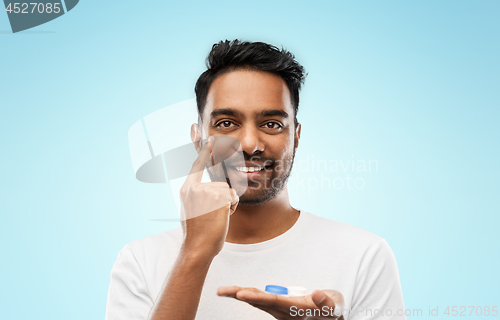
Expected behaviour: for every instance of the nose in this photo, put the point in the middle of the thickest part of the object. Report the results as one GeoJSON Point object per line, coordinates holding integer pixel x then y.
{"type": "Point", "coordinates": [251, 142]}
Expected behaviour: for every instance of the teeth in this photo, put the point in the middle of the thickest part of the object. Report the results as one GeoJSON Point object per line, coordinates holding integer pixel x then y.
{"type": "Point", "coordinates": [249, 169]}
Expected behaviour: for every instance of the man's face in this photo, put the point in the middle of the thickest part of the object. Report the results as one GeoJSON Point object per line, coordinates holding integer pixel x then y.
{"type": "Point", "coordinates": [255, 108]}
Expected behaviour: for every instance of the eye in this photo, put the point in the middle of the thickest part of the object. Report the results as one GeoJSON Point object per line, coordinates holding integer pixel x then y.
{"type": "Point", "coordinates": [272, 125]}
{"type": "Point", "coordinates": [224, 124]}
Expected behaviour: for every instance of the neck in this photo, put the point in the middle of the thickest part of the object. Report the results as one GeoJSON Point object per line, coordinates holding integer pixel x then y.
{"type": "Point", "coordinates": [253, 224]}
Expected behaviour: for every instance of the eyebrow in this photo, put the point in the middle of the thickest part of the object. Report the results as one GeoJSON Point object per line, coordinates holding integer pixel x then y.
{"type": "Point", "coordinates": [225, 112]}
{"type": "Point", "coordinates": [236, 113]}
{"type": "Point", "coordinates": [273, 113]}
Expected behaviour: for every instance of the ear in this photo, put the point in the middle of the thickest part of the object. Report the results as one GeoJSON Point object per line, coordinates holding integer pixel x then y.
{"type": "Point", "coordinates": [196, 136]}
{"type": "Point", "coordinates": [297, 135]}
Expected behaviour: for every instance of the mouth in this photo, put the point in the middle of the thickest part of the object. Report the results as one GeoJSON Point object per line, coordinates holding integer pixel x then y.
{"type": "Point", "coordinates": [253, 170]}
{"type": "Point", "coordinates": [249, 169]}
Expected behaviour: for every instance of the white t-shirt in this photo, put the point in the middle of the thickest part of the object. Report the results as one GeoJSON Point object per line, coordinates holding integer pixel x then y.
{"type": "Point", "coordinates": [316, 253]}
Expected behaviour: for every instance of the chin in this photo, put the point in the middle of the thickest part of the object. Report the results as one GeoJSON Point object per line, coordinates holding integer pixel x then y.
{"type": "Point", "coordinates": [258, 198]}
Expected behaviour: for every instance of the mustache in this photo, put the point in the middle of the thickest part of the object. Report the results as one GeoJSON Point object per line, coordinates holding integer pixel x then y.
{"type": "Point", "coordinates": [257, 159]}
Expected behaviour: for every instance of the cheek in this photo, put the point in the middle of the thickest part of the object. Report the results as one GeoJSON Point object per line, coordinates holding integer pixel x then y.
{"type": "Point", "coordinates": [281, 148]}
{"type": "Point", "coordinates": [208, 131]}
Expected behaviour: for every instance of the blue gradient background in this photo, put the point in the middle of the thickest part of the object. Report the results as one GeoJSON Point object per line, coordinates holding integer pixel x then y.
{"type": "Point", "coordinates": [411, 84]}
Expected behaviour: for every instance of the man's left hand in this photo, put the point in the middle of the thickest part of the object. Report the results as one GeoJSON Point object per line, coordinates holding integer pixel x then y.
{"type": "Point", "coordinates": [325, 302]}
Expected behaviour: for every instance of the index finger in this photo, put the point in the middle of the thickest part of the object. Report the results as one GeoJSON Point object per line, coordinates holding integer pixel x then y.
{"type": "Point", "coordinates": [199, 164]}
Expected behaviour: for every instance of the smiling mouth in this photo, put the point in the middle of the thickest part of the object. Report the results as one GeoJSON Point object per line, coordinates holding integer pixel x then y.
{"type": "Point", "coordinates": [251, 169]}
{"type": "Point", "coordinates": [254, 167]}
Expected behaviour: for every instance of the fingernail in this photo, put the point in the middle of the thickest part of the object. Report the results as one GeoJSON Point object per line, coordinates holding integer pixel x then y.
{"type": "Point", "coordinates": [210, 142]}
{"type": "Point", "coordinates": [318, 297]}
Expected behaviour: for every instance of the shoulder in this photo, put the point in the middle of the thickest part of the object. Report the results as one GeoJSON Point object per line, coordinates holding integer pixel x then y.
{"type": "Point", "coordinates": [165, 243]}
{"type": "Point", "coordinates": [343, 235]}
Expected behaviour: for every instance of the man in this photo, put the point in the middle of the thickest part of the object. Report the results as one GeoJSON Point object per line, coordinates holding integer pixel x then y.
{"type": "Point", "coordinates": [216, 265]}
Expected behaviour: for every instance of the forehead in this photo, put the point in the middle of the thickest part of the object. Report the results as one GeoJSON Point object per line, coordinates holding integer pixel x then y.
{"type": "Point", "coordinates": [249, 92]}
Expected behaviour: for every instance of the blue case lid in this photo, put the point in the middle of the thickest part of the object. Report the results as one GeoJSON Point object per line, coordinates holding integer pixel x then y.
{"type": "Point", "coordinates": [276, 289]}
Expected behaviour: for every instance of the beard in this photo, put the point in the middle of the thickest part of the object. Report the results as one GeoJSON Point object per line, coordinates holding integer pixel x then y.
{"type": "Point", "coordinates": [262, 191]}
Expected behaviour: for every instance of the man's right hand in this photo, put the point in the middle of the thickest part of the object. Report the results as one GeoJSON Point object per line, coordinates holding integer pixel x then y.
{"type": "Point", "coordinates": [206, 208]}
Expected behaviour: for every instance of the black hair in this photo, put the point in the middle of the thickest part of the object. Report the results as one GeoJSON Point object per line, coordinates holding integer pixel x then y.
{"type": "Point", "coordinates": [227, 56]}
